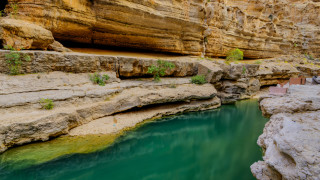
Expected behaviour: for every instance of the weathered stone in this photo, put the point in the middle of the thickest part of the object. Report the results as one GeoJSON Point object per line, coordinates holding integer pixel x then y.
{"type": "Point", "coordinates": [263, 172]}
{"type": "Point", "coordinates": [56, 46]}
{"type": "Point", "coordinates": [261, 28]}
{"type": "Point", "coordinates": [24, 35]}
{"type": "Point", "coordinates": [116, 123]}
{"type": "Point", "coordinates": [264, 28]}
{"type": "Point", "coordinates": [231, 91]}
{"type": "Point", "coordinates": [78, 101]}
{"type": "Point", "coordinates": [46, 61]}
{"type": "Point", "coordinates": [210, 70]}
{"type": "Point", "coordinates": [155, 25]}
{"type": "Point", "coordinates": [300, 98]}
{"type": "Point", "coordinates": [290, 139]}
{"type": "Point", "coordinates": [271, 73]}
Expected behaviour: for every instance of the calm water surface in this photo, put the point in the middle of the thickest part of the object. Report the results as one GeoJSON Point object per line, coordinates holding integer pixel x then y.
{"type": "Point", "coordinates": [217, 144]}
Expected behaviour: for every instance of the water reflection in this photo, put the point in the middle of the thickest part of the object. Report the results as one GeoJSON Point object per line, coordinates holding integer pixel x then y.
{"type": "Point", "coordinates": [218, 144]}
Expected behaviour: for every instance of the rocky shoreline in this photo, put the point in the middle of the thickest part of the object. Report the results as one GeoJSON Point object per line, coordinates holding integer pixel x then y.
{"type": "Point", "coordinates": [290, 139]}
{"type": "Point", "coordinates": [130, 97]}
{"type": "Point", "coordinates": [79, 102]}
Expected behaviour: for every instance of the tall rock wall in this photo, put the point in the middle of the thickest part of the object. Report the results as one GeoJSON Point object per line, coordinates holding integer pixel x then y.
{"type": "Point", "coordinates": [261, 28]}
{"type": "Point", "coordinates": [264, 28]}
{"type": "Point", "coordinates": [160, 25]}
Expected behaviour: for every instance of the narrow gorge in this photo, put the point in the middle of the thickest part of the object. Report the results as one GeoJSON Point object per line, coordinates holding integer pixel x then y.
{"type": "Point", "coordinates": [171, 87]}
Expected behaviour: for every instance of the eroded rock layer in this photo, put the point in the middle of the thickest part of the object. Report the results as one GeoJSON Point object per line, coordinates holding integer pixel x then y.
{"type": "Point", "coordinates": [264, 28]}
{"type": "Point", "coordinates": [169, 26]}
{"type": "Point", "coordinates": [260, 28]}
{"type": "Point", "coordinates": [78, 101]}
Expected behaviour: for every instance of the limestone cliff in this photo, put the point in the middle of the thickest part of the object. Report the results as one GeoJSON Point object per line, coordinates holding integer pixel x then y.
{"type": "Point", "coordinates": [263, 29]}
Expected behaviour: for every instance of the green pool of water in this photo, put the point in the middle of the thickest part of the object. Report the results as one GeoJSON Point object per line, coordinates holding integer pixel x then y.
{"type": "Point", "coordinates": [216, 144]}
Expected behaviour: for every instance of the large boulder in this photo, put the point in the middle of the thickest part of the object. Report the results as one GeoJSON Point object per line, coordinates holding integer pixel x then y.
{"type": "Point", "coordinates": [24, 35]}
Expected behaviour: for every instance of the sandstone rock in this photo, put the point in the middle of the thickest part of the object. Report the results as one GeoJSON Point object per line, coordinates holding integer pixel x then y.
{"type": "Point", "coordinates": [264, 28]}
{"type": "Point", "coordinates": [261, 28]}
{"type": "Point", "coordinates": [135, 67]}
{"type": "Point", "coordinates": [154, 25]}
{"type": "Point", "coordinates": [45, 61]}
{"type": "Point", "coordinates": [271, 73]}
{"type": "Point", "coordinates": [210, 70]}
{"type": "Point", "coordinates": [244, 88]}
{"type": "Point", "coordinates": [237, 71]}
{"type": "Point", "coordinates": [56, 46]}
{"type": "Point", "coordinates": [23, 35]}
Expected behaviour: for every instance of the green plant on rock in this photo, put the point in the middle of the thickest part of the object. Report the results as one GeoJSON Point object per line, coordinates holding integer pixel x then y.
{"type": "Point", "coordinates": [46, 104]}
{"type": "Point", "coordinates": [198, 79]}
{"type": "Point", "coordinates": [15, 59]}
{"type": "Point", "coordinates": [235, 55]}
{"type": "Point", "coordinates": [258, 62]}
{"type": "Point", "coordinates": [99, 79]}
{"type": "Point", "coordinates": [160, 69]}
{"type": "Point", "coordinates": [244, 70]}
{"type": "Point", "coordinates": [14, 9]}
{"type": "Point", "coordinates": [309, 56]}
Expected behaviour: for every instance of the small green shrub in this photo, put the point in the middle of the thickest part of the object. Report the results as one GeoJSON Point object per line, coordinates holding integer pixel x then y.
{"type": "Point", "coordinates": [244, 70]}
{"type": "Point", "coordinates": [258, 62]}
{"type": "Point", "coordinates": [160, 69]}
{"type": "Point", "coordinates": [198, 79]}
{"type": "Point", "coordinates": [235, 55]}
{"type": "Point", "coordinates": [46, 104]}
{"type": "Point", "coordinates": [15, 59]}
{"type": "Point", "coordinates": [99, 79]}
{"type": "Point", "coordinates": [15, 9]}
{"type": "Point", "coordinates": [173, 85]}
{"type": "Point", "coordinates": [309, 56]}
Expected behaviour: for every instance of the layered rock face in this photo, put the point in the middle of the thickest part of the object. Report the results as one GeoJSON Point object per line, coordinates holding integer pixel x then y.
{"type": "Point", "coordinates": [169, 26]}
{"type": "Point", "coordinates": [264, 28]}
{"type": "Point", "coordinates": [260, 28]}
{"type": "Point", "coordinates": [290, 139]}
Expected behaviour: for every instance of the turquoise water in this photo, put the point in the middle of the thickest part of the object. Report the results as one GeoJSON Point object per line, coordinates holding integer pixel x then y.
{"type": "Point", "coordinates": [216, 144]}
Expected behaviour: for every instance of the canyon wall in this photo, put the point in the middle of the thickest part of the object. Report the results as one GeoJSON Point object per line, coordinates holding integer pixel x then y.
{"type": "Point", "coordinates": [261, 29]}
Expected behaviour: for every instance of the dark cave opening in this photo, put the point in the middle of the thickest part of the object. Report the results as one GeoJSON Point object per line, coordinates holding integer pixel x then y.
{"type": "Point", "coordinates": [3, 4]}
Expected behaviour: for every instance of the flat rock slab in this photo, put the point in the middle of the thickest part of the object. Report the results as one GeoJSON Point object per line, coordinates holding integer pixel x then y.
{"type": "Point", "coordinates": [79, 102]}
{"type": "Point", "coordinates": [116, 123]}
